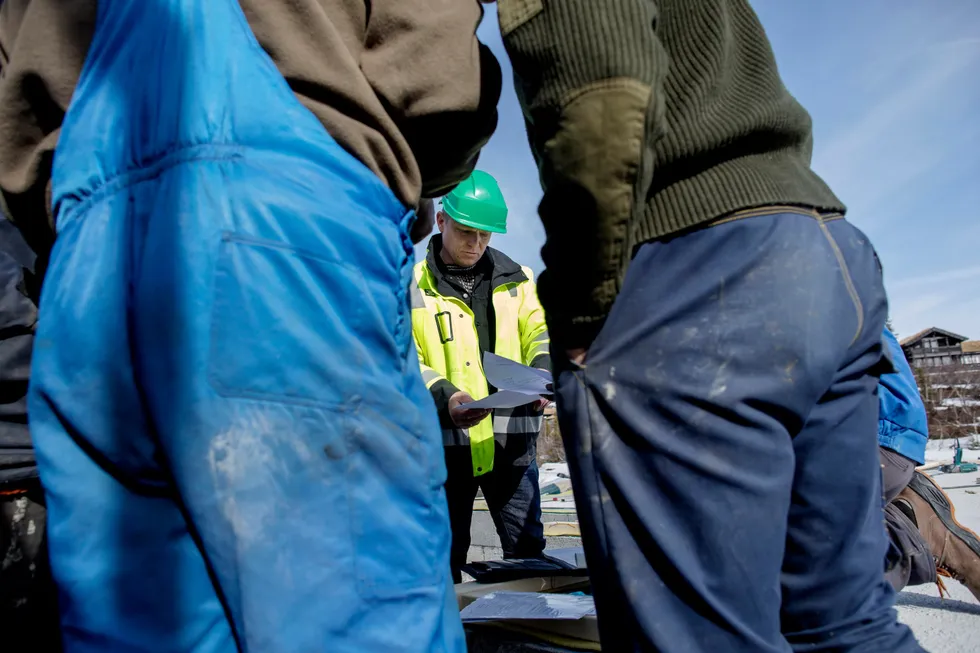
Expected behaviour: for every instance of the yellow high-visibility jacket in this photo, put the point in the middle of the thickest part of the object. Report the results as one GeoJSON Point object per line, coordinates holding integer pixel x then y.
{"type": "Point", "coordinates": [449, 349]}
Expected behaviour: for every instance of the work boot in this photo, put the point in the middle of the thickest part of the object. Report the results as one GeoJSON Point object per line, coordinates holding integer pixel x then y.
{"type": "Point", "coordinates": [955, 548]}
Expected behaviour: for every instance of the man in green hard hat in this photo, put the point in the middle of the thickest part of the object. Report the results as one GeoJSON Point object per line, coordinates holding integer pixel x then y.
{"type": "Point", "coordinates": [469, 298]}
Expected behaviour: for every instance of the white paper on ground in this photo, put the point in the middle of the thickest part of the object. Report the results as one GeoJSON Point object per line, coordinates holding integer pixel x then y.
{"type": "Point", "coordinates": [505, 374]}
{"type": "Point", "coordinates": [501, 606]}
{"type": "Point", "coordinates": [503, 399]}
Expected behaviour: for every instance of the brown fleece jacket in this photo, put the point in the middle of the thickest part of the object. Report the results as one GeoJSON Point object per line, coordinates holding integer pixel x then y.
{"type": "Point", "coordinates": [404, 85]}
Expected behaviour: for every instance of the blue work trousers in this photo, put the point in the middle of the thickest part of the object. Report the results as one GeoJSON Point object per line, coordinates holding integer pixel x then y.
{"type": "Point", "coordinates": [722, 444]}
{"type": "Point", "coordinates": [238, 450]}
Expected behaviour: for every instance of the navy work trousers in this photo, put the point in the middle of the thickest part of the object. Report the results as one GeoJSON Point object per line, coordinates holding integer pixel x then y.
{"type": "Point", "coordinates": [721, 439]}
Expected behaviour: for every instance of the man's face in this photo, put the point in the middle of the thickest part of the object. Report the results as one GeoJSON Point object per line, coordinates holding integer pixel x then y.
{"type": "Point", "coordinates": [461, 245]}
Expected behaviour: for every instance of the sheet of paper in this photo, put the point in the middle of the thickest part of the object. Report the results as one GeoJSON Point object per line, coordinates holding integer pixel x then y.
{"type": "Point", "coordinates": [502, 606]}
{"type": "Point", "coordinates": [504, 399]}
{"type": "Point", "coordinates": [544, 375]}
{"type": "Point", "coordinates": [573, 555]}
{"type": "Point", "coordinates": [505, 374]}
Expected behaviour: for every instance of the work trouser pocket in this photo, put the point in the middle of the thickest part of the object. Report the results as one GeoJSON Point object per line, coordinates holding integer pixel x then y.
{"type": "Point", "coordinates": [287, 325]}
{"type": "Point", "coordinates": [397, 522]}
{"type": "Point", "coordinates": [300, 339]}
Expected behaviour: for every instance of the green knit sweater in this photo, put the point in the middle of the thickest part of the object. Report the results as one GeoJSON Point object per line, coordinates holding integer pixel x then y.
{"type": "Point", "coordinates": [646, 118]}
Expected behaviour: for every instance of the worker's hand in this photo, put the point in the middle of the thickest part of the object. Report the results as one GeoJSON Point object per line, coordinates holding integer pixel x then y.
{"type": "Point", "coordinates": [577, 355]}
{"type": "Point", "coordinates": [426, 219]}
{"type": "Point", "coordinates": [462, 416]}
{"type": "Point", "coordinates": [539, 405]}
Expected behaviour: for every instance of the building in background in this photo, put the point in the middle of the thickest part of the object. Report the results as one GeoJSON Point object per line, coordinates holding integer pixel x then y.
{"type": "Point", "coordinates": [971, 352]}
{"type": "Point", "coordinates": [947, 368]}
{"type": "Point", "coordinates": [935, 347]}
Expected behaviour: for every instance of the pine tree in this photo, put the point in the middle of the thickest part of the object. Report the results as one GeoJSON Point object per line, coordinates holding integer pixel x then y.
{"type": "Point", "coordinates": [890, 326]}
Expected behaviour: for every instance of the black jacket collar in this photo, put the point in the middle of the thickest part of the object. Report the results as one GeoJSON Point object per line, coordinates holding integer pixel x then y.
{"type": "Point", "coordinates": [505, 270]}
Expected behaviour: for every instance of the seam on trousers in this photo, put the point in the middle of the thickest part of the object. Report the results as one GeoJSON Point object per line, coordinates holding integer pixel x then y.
{"type": "Point", "coordinates": [764, 211]}
{"type": "Point", "coordinates": [600, 508]}
{"type": "Point", "coordinates": [153, 167]}
{"type": "Point", "coordinates": [822, 220]}
{"type": "Point", "coordinates": [848, 282]}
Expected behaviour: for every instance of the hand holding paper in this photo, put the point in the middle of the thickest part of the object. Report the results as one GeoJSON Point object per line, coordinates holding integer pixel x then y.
{"type": "Point", "coordinates": [505, 374]}
{"type": "Point", "coordinates": [504, 399]}
{"type": "Point", "coordinates": [463, 411]}
{"type": "Point", "coordinates": [517, 385]}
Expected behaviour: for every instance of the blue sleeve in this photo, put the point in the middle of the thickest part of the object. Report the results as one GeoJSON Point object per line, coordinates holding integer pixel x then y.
{"type": "Point", "coordinates": [902, 422]}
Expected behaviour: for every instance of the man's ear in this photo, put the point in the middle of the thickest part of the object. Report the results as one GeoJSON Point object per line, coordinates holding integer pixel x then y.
{"type": "Point", "coordinates": [441, 218]}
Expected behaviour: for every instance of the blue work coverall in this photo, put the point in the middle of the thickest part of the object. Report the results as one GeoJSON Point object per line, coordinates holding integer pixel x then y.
{"type": "Point", "coordinates": [236, 444]}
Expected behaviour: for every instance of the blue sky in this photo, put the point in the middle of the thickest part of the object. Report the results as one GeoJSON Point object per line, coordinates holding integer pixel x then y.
{"type": "Point", "coordinates": [894, 90]}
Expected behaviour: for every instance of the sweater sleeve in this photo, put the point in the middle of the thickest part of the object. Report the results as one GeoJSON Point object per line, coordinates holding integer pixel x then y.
{"type": "Point", "coordinates": [437, 81]}
{"type": "Point", "coordinates": [43, 46]}
{"type": "Point", "coordinates": [588, 76]}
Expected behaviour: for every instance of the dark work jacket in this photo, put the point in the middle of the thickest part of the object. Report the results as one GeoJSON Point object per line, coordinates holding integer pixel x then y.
{"type": "Point", "coordinates": [18, 315]}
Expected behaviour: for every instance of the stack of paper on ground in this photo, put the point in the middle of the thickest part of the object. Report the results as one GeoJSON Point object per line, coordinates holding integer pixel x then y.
{"type": "Point", "coordinates": [517, 385]}
{"type": "Point", "coordinates": [538, 607]}
{"type": "Point", "coordinates": [503, 606]}
{"type": "Point", "coordinates": [559, 618]}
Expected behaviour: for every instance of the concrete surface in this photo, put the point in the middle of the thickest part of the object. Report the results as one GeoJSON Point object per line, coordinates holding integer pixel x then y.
{"type": "Point", "coordinates": [950, 625]}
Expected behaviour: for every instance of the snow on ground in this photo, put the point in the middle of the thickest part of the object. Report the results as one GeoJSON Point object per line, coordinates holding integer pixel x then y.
{"type": "Point", "coordinates": [551, 472]}
{"type": "Point", "coordinates": [943, 450]}
{"type": "Point", "coordinates": [950, 625]}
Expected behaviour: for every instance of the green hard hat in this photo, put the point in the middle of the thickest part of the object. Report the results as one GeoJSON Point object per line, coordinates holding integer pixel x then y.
{"type": "Point", "coordinates": [478, 203]}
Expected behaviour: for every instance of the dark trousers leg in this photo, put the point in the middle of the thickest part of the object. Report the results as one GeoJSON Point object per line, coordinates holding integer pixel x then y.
{"type": "Point", "coordinates": [908, 561]}
{"type": "Point", "coordinates": [721, 510]}
{"type": "Point", "coordinates": [18, 314]}
{"type": "Point", "coordinates": [514, 497]}
{"type": "Point", "coordinates": [29, 618]}
{"type": "Point", "coordinates": [896, 472]}
{"type": "Point", "coordinates": [28, 596]}
{"type": "Point", "coordinates": [461, 488]}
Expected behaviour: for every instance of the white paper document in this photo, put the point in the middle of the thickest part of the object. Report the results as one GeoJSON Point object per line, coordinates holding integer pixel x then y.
{"type": "Point", "coordinates": [503, 399]}
{"type": "Point", "coordinates": [502, 606]}
{"type": "Point", "coordinates": [517, 385]}
{"type": "Point", "coordinates": [505, 374]}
